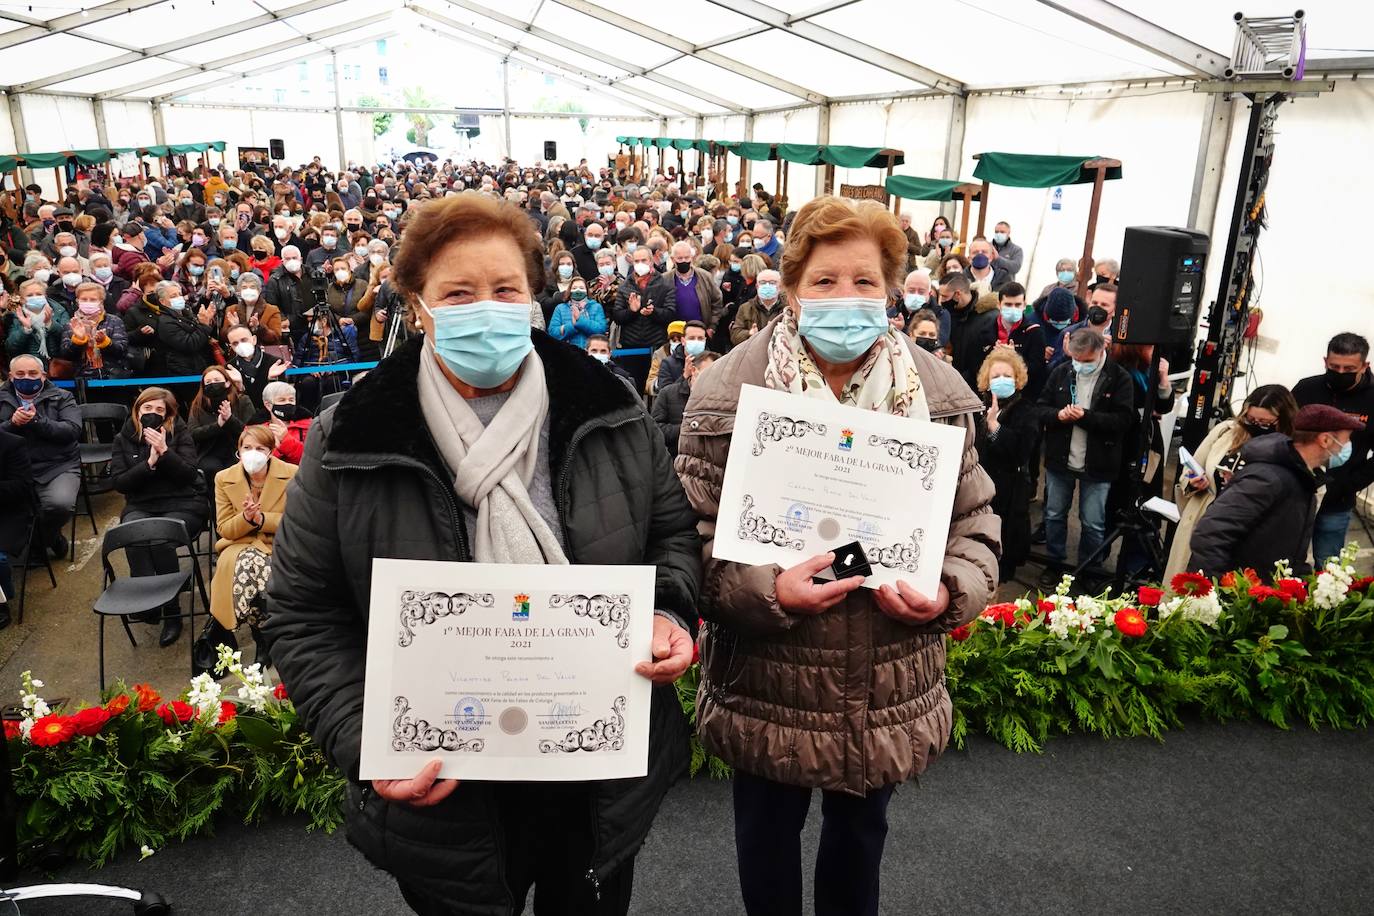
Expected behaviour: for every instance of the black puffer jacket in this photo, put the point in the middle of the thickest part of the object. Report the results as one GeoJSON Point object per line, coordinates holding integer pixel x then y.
{"type": "Point", "coordinates": [1264, 515]}
{"type": "Point", "coordinates": [372, 485]}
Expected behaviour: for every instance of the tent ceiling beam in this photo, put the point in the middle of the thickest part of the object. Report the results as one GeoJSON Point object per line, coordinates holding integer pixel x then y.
{"type": "Point", "coordinates": [234, 78]}
{"type": "Point", "coordinates": [245, 56]}
{"type": "Point", "coordinates": [481, 112]}
{"type": "Point", "coordinates": [628, 23]}
{"type": "Point", "coordinates": [512, 48]}
{"type": "Point", "coordinates": [1144, 34]}
{"type": "Point", "coordinates": [843, 44]}
{"type": "Point", "coordinates": [73, 20]}
{"type": "Point", "coordinates": [136, 54]}
{"type": "Point", "coordinates": [578, 80]}
{"type": "Point", "coordinates": [593, 53]}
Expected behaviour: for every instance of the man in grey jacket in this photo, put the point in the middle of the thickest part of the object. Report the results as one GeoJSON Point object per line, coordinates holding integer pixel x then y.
{"type": "Point", "coordinates": [1009, 254]}
{"type": "Point", "coordinates": [48, 419]}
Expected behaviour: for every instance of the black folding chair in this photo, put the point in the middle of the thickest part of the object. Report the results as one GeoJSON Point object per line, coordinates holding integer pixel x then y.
{"type": "Point", "coordinates": [130, 595]}
{"type": "Point", "coordinates": [34, 555]}
{"type": "Point", "coordinates": [329, 400]}
{"type": "Point", "coordinates": [95, 455]}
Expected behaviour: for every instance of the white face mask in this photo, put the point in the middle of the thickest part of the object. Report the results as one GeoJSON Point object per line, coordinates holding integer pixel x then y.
{"type": "Point", "coordinates": [67, 251]}
{"type": "Point", "coordinates": [249, 295]}
{"type": "Point", "coordinates": [641, 268]}
{"type": "Point", "coordinates": [71, 280]}
{"type": "Point", "coordinates": [341, 276]}
{"type": "Point", "coordinates": [254, 461]}
{"type": "Point", "coordinates": [282, 234]}
{"type": "Point", "coordinates": [377, 259]}
{"type": "Point", "coordinates": [244, 349]}
{"type": "Point", "coordinates": [293, 265]}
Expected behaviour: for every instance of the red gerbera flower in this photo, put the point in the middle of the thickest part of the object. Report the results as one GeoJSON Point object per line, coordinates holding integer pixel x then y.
{"type": "Point", "coordinates": [959, 633]}
{"type": "Point", "coordinates": [117, 705]}
{"type": "Point", "coordinates": [1004, 613]}
{"type": "Point", "coordinates": [1293, 589]}
{"type": "Point", "coordinates": [12, 730]}
{"type": "Point", "coordinates": [147, 697]}
{"type": "Point", "coordinates": [1360, 585]}
{"type": "Point", "coordinates": [1229, 580]}
{"type": "Point", "coordinates": [1148, 596]}
{"type": "Point", "coordinates": [279, 691]}
{"type": "Point", "coordinates": [1264, 593]}
{"type": "Point", "coordinates": [176, 712]}
{"type": "Point", "coordinates": [1190, 583]}
{"type": "Point", "coordinates": [227, 711]}
{"type": "Point", "coordinates": [1129, 622]}
{"type": "Point", "coordinates": [52, 730]}
{"type": "Point", "coordinates": [90, 721]}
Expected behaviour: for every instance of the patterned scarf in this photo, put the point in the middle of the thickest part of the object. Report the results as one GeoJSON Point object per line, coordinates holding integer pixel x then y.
{"type": "Point", "coordinates": [886, 381]}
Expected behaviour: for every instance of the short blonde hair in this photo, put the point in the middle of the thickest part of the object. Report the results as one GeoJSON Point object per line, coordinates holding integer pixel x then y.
{"type": "Point", "coordinates": [751, 265]}
{"type": "Point", "coordinates": [1007, 356]}
{"type": "Point", "coordinates": [836, 219]}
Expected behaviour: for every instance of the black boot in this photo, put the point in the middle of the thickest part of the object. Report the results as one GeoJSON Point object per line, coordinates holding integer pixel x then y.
{"type": "Point", "coordinates": [4, 614]}
{"type": "Point", "coordinates": [262, 650]}
{"type": "Point", "coordinates": [171, 626]}
{"type": "Point", "coordinates": [60, 546]}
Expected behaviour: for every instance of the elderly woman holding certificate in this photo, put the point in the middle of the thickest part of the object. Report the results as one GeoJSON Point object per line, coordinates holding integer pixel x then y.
{"type": "Point", "coordinates": [482, 441]}
{"type": "Point", "coordinates": [830, 686]}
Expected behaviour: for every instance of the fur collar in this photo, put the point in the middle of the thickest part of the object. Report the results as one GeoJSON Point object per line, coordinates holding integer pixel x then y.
{"type": "Point", "coordinates": [381, 414]}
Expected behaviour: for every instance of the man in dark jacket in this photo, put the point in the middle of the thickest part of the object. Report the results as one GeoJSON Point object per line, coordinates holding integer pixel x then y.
{"type": "Point", "coordinates": [372, 484]}
{"type": "Point", "coordinates": [289, 291]}
{"type": "Point", "coordinates": [48, 419]}
{"type": "Point", "coordinates": [584, 252]}
{"type": "Point", "coordinates": [16, 511]}
{"type": "Point", "coordinates": [1346, 385]}
{"type": "Point", "coordinates": [671, 400]}
{"type": "Point", "coordinates": [972, 328]}
{"type": "Point", "coordinates": [1265, 514]}
{"type": "Point", "coordinates": [1019, 329]}
{"type": "Point", "coordinates": [644, 307]}
{"type": "Point", "coordinates": [1087, 408]}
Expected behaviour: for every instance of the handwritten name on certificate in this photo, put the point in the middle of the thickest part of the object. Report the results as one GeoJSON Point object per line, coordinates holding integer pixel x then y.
{"type": "Point", "coordinates": [507, 672]}
{"type": "Point", "coordinates": [806, 476]}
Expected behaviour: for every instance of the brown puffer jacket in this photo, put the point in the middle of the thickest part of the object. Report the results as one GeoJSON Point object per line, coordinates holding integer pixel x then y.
{"type": "Point", "coordinates": [849, 699]}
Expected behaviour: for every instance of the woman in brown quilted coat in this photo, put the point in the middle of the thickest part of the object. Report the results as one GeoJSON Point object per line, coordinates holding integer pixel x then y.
{"type": "Point", "coordinates": [829, 686]}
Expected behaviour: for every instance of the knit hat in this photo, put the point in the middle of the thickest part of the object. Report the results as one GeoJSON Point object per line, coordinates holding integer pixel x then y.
{"type": "Point", "coordinates": [1323, 418]}
{"type": "Point", "coordinates": [677, 327]}
{"type": "Point", "coordinates": [1059, 306]}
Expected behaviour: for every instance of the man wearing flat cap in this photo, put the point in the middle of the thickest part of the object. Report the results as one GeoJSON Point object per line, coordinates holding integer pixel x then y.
{"type": "Point", "coordinates": [1265, 514]}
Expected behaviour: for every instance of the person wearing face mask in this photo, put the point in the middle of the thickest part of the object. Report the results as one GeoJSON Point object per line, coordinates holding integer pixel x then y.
{"type": "Point", "coordinates": [218, 414]}
{"type": "Point", "coordinates": [671, 400]}
{"type": "Point", "coordinates": [287, 289]}
{"type": "Point", "coordinates": [578, 316]}
{"type": "Point", "coordinates": [1266, 512]}
{"type": "Point", "coordinates": [1065, 277]}
{"type": "Point", "coordinates": [924, 329]}
{"type": "Point", "coordinates": [972, 326]}
{"type": "Point", "coordinates": [561, 277]}
{"type": "Point", "coordinates": [673, 365]}
{"type": "Point", "coordinates": [344, 292]}
{"type": "Point", "coordinates": [102, 272]}
{"type": "Point", "coordinates": [249, 366]}
{"type": "Point", "coordinates": [1007, 438]}
{"type": "Point", "coordinates": [250, 498]}
{"type": "Point", "coordinates": [178, 336]}
{"type": "Point", "coordinates": [599, 349]}
{"type": "Point", "coordinates": [695, 294]}
{"type": "Point", "coordinates": [1105, 270]}
{"type": "Point", "coordinates": [64, 223]}
{"type": "Point", "coordinates": [284, 235]}
{"type": "Point", "coordinates": [985, 274]}
{"type": "Point", "coordinates": [264, 260]}
{"type": "Point", "coordinates": [1087, 408]}
{"type": "Point", "coordinates": [290, 424]}
{"type": "Point", "coordinates": [154, 466]}
{"type": "Point", "coordinates": [1018, 329]}
{"type": "Point", "coordinates": [190, 273]}
{"type": "Point", "coordinates": [644, 308]}
{"type": "Point", "coordinates": [331, 247]}
{"type": "Point", "coordinates": [916, 296]}
{"type": "Point", "coordinates": [187, 209]}
{"type": "Point", "coordinates": [128, 250]}
{"type": "Point", "coordinates": [1010, 257]}
{"type": "Point", "coordinates": [38, 323]}
{"type": "Point", "coordinates": [769, 626]}
{"type": "Point", "coordinates": [1098, 317]}
{"type": "Point", "coordinates": [94, 343]}
{"type": "Point", "coordinates": [62, 285]}
{"type": "Point", "coordinates": [946, 243]}
{"type": "Point", "coordinates": [1345, 385]}
{"type": "Point", "coordinates": [757, 313]}
{"type": "Point", "coordinates": [1267, 409]}
{"type": "Point", "coordinates": [1057, 312]}
{"type": "Point", "coordinates": [585, 251]}
{"type": "Point", "coordinates": [481, 441]}
{"type": "Point", "coordinates": [48, 420]}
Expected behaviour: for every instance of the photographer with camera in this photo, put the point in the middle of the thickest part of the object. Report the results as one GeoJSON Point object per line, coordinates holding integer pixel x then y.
{"type": "Point", "coordinates": [287, 289]}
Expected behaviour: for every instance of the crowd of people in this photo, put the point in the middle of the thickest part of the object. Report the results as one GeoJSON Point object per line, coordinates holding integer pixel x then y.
{"type": "Point", "coordinates": [211, 285]}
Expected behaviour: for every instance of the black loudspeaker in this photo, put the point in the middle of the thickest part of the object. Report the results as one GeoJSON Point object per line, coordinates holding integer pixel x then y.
{"type": "Point", "coordinates": [1159, 293]}
{"type": "Point", "coordinates": [550, 150]}
{"type": "Point", "coordinates": [277, 149]}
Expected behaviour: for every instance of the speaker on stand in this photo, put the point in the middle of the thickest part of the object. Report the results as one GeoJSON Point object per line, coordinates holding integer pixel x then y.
{"type": "Point", "coordinates": [550, 150]}
{"type": "Point", "coordinates": [277, 149]}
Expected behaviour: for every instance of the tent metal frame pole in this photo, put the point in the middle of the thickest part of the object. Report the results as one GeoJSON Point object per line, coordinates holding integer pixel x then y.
{"type": "Point", "coordinates": [824, 176]}
{"type": "Point", "coordinates": [505, 104]}
{"type": "Point", "coordinates": [1213, 141]}
{"type": "Point", "coordinates": [338, 108]}
{"type": "Point", "coordinates": [21, 133]}
{"type": "Point", "coordinates": [954, 148]}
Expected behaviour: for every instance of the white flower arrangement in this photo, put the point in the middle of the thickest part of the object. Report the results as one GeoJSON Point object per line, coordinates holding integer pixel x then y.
{"type": "Point", "coordinates": [205, 695]}
{"type": "Point", "coordinates": [255, 691]}
{"type": "Point", "coordinates": [35, 707]}
{"type": "Point", "coordinates": [1205, 609]}
{"type": "Point", "coordinates": [1333, 582]}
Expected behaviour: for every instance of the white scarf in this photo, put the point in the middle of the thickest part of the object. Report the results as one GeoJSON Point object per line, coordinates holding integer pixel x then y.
{"type": "Point", "coordinates": [493, 465]}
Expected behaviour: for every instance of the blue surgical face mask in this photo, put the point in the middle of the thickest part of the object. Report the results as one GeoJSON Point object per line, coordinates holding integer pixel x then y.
{"type": "Point", "coordinates": [841, 330]}
{"type": "Point", "coordinates": [593, 242]}
{"type": "Point", "coordinates": [565, 271]}
{"type": "Point", "coordinates": [1340, 457]}
{"type": "Point", "coordinates": [177, 304]}
{"type": "Point", "coordinates": [36, 304]}
{"type": "Point", "coordinates": [229, 244]}
{"type": "Point", "coordinates": [605, 269]}
{"type": "Point", "coordinates": [694, 347]}
{"type": "Point", "coordinates": [768, 291]}
{"type": "Point", "coordinates": [27, 387]}
{"type": "Point", "coordinates": [1000, 238]}
{"type": "Point", "coordinates": [1083, 368]}
{"type": "Point", "coordinates": [482, 343]}
{"type": "Point", "coordinates": [1003, 386]}
{"type": "Point", "coordinates": [732, 220]}
{"type": "Point", "coordinates": [1011, 315]}
{"type": "Point", "coordinates": [1065, 276]}
{"type": "Point", "coordinates": [1059, 325]}
{"type": "Point", "coordinates": [914, 300]}
{"type": "Point", "coordinates": [103, 274]}
{"type": "Point", "coordinates": [196, 270]}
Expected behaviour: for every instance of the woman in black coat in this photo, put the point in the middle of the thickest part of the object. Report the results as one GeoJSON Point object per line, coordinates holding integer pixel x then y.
{"type": "Point", "coordinates": [154, 466]}
{"type": "Point", "coordinates": [1006, 443]}
{"type": "Point", "coordinates": [379, 479]}
{"type": "Point", "coordinates": [218, 414]}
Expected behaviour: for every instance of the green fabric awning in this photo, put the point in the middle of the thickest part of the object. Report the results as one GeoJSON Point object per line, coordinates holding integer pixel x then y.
{"type": "Point", "coordinates": [43, 160]}
{"type": "Point", "coordinates": [858, 157]}
{"type": "Point", "coordinates": [1023, 170]}
{"type": "Point", "coordinates": [703, 145]}
{"type": "Point", "coordinates": [748, 149]}
{"type": "Point", "coordinates": [913, 188]}
{"type": "Point", "coordinates": [100, 156]}
{"type": "Point", "coordinates": [663, 142]}
{"type": "Point", "coordinates": [800, 153]}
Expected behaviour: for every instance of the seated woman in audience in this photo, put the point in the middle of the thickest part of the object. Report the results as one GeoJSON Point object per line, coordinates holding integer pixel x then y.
{"type": "Point", "coordinates": [179, 338]}
{"type": "Point", "coordinates": [606, 284]}
{"type": "Point", "coordinates": [950, 265]}
{"type": "Point", "coordinates": [265, 259]}
{"type": "Point", "coordinates": [578, 317]}
{"type": "Point", "coordinates": [95, 342]}
{"type": "Point", "coordinates": [1267, 409]}
{"type": "Point", "coordinates": [102, 272]}
{"type": "Point", "coordinates": [154, 466]}
{"type": "Point", "coordinates": [38, 323]}
{"type": "Point", "coordinates": [559, 285]}
{"type": "Point", "coordinates": [218, 414]}
{"type": "Point", "coordinates": [1007, 436]}
{"type": "Point", "coordinates": [344, 291]}
{"type": "Point", "coordinates": [924, 328]}
{"type": "Point", "coordinates": [250, 497]}
{"type": "Point", "coordinates": [145, 279]}
{"type": "Point", "coordinates": [261, 317]}
{"type": "Point", "coordinates": [289, 423]}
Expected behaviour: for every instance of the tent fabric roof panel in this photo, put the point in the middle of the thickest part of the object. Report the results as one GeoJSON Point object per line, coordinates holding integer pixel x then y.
{"type": "Point", "coordinates": [1024, 170]}
{"type": "Point", "coordinates": [124, 75]}
{"type": "Point", "coordinates": [158, 25]}
{"type": "Point", "coordinates": [49, 56]}
{"type": "Point", "coordinates": [910, 187]}
{"type": "Point", "coordinates": [597, 34]}
{"type": "Point", "coordinates": [816, 67]}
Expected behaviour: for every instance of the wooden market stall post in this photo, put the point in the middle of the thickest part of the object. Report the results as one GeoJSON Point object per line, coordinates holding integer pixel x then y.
{"type": "Point", "coordinates": [1024, 170]}
{"type": "Point", "coordinates": [939, 189]}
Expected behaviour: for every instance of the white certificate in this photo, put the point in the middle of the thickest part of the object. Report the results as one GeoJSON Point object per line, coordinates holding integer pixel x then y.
{"type": "Point", "coordinates": [806, 476]}
{"type": "Point", "coordinates": [507, 672]}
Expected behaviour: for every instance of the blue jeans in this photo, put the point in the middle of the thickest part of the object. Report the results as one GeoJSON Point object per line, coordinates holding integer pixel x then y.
{"type": "Point", "coordinates": [1092, 515]}
{"type": "Point", "coordinates": [1328, 536]}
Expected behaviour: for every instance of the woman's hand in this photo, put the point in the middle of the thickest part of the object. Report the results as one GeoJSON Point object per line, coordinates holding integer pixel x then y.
{"type": "Point", "coordinates": [157, 444]}
{"type": "Point", "coordinates": [277, 426]}
{"type": "Point", "coordinates": [207, 315]}
{"type": "Point", "coordinates": [797, 594]}
{"type": "Point", "coordinates": [224, 412]}
{"type": "Point", "coordinates": [672, 651]}
{"type": "Point", "coordinates": [424, 790]}
{"type": "Point", "coordinates": [1198, 483]}
{"type": "Point", "coordinates": [231, 318]}
{"type": "Point", "coordinates": [906, 605]}
{"type": "Point", "coordinates": [993, 413]}
{"type": "Point", "coordinates": [25, 319]}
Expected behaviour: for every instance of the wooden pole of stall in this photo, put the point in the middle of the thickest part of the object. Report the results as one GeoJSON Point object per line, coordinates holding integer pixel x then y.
{"type": "Point", "coordinates": [57, 173]}
{"type": "Point", "coordinates": [963, 220]}
{"type": "Point", "coordinates": [1085, 265]}
{"type": "Point", "coordinates": [983, 208]}
{"type": "Point", "coordinates": [896, 205]}
{"type": "Point", "coordinates": [777, 177]}
{"type": "Point", "coordinates": [830, 178]}
{"type": "Point", "coordinates": [786, 174]}
{"type": "Point", "coordinates": [681, 173]}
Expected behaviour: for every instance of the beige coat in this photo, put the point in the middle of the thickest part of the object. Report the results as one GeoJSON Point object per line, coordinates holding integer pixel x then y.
{"type": "Point", "coordinates": [1193, 503]}
{"type": "Point", "coordinates": [849, 699]}
{"type": "Point", "coordinates": [236, 533]}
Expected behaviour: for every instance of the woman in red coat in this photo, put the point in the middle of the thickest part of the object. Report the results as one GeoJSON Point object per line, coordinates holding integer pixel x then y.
{"type": "Point", "coordinates": [289, 423]}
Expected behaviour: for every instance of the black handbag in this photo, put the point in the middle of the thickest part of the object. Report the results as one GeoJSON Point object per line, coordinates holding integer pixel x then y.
{"type": "Point", "coordinates": [205, 650]}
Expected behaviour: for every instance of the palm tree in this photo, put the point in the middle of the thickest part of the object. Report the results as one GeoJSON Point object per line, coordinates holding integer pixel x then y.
{"type": "Point", "coordinates": [416, 97]}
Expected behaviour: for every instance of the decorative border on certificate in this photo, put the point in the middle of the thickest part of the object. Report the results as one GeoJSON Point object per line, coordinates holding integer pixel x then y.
{"type": "Point", "coordinates": [412, 734]}
{"type": "Point", "coordinates": [924, 458]}
{"type": "Point", "coordinates": [602, 735]}
{"type": "Point", "coordinates": [426, 607]}
{"type": "Point", "coordinates": [607, 610]}
{"type": "Point", "coordinates": [754, 527]}
{"type": "Point", "coordinates": [775, 428]}
{"type": "Point", "coordinates": [905, 555]}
